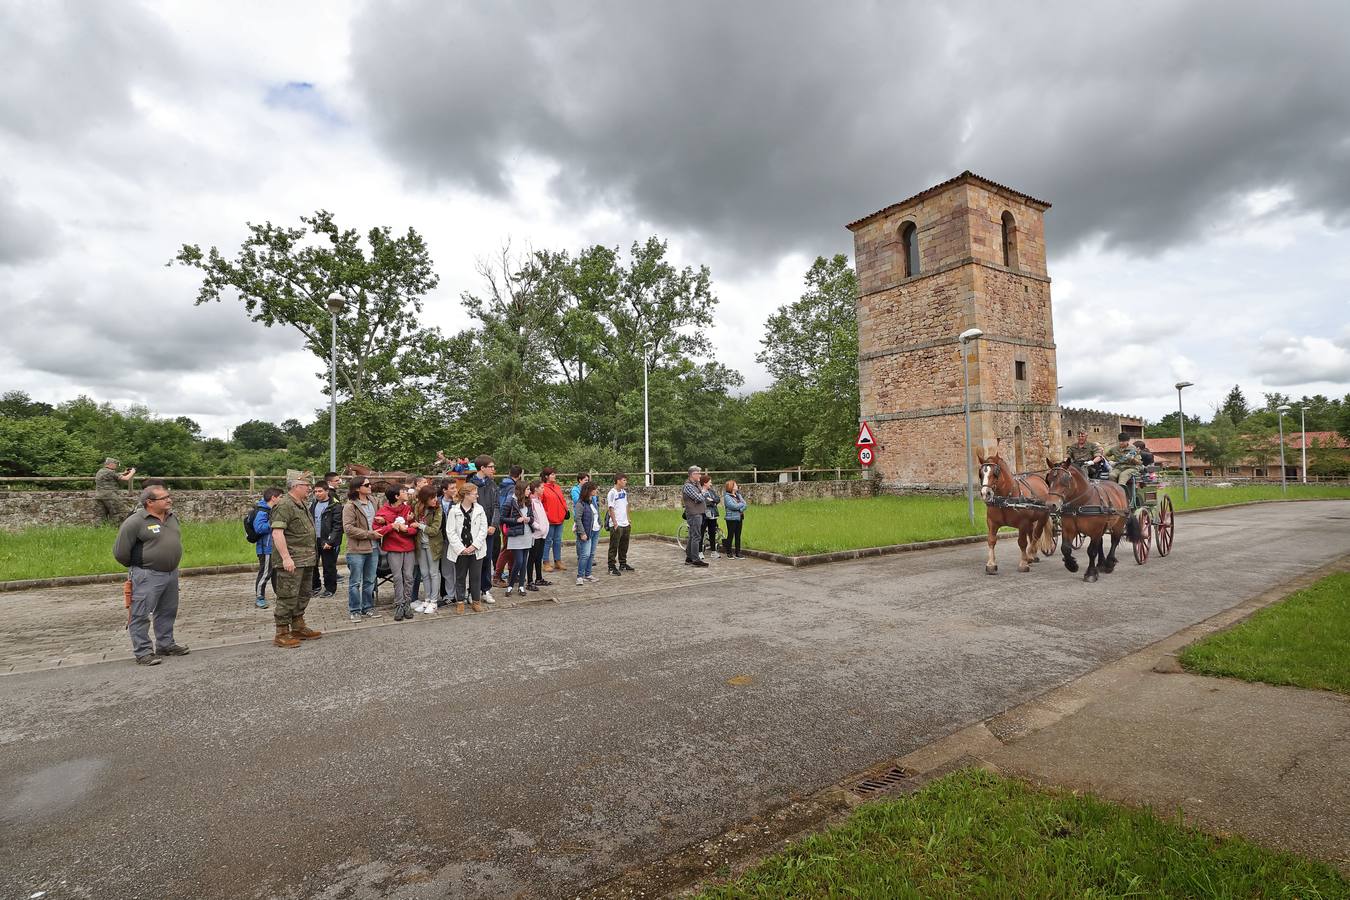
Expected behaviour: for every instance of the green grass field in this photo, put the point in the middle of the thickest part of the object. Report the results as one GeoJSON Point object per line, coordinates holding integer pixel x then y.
{"type": "Point", "coordinates": [799, 527]}
{"type": "Point", "coordinates": [1303, 640]}
{"type": "Point", "coordinates": [973, 834]}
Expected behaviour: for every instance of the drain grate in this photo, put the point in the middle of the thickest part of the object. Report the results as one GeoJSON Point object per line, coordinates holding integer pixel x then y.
{"type": "Point", "coordinates": [876, 783]}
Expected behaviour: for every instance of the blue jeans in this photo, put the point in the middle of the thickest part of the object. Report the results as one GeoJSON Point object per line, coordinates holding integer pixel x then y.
{"type": "Point", "coordinates": [554, 540]}
{"type": "Point", "coordinates": [361, 581]}
{"type": "Point", "coordinates": [585, 556]}
{"type": "Point", "coordinates": [493, 544]}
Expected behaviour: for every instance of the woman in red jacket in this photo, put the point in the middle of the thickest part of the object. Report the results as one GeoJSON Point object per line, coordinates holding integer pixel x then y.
{"type": "Point", "coordinates": [396, 526]}
{"type": "Point", "coordinates": [555, 507]}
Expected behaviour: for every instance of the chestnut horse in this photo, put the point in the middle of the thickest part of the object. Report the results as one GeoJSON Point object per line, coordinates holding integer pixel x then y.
{"type": "Point", "coordinates": [1090, 508]}
{"type": "Point", "coordinates": [999, 487]}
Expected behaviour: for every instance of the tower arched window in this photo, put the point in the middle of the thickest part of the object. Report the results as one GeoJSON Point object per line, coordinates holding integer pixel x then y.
{"type": "Point", "coordinates": [909, 241]}
{"type": "Point", "coordinates": [1009, 240]}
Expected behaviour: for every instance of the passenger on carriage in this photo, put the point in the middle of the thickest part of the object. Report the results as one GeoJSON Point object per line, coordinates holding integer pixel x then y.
{"type": "Point", "coordinates": [1125, 461]}
{"type": "Point", "coordinates": [1085, 453]}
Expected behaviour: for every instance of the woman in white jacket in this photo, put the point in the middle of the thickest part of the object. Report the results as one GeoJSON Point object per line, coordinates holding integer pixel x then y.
{"type": "Point", "coordinates": [466, 544]}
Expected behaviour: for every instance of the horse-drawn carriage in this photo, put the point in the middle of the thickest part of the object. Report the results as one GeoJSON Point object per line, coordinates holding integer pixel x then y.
{"type": "Point", "coordinates": [1065, 507]}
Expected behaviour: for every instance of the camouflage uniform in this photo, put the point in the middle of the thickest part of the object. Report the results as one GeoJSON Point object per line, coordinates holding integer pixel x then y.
{"type": "Point", "coordinates": [1084, 455]}
{"type": "Point", "coordinates": [109, 496]}
{"type": "Point", "coordinates": [295, 522]}
{"type": "Point", "coordinates": [1125, 463]}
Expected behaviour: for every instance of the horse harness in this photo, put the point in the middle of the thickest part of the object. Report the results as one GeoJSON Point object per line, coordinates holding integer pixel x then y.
{"type": "Point", "coordinates": [1023, 500]}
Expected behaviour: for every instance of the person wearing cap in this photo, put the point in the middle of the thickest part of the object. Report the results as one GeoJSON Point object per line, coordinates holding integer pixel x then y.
{"type": "Point", "coordinates": [294, 559]}
{"type": "Point", "coordinates": [1085, 452]}
{"type": "Point", "coordinates": [108, 495]}
{"type": "Point", "coordinates": [150, 545]}
{"type": "Point", "coordinates": [1125, 463]}
{"type": "Point", "coordinates": [695, 507]}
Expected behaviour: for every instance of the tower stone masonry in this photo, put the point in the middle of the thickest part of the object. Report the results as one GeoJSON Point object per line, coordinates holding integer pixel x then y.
{"type": "Point", "coordinates": [967, 253]}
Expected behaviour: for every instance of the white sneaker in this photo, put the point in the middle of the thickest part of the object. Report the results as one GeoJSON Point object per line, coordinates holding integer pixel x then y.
{"type": "Point", "coordinates": [716, 555]}
{"type": "Point", "coordinates": [590, 579]}
{"type": "Point", "coordinates": [509, 588]}
{"type": "Point", "coordinates": [580, 581]}
{"type": "Point", "coordinates": [429, 608]}
{"type": "Point", "coordinates": [487, 597]}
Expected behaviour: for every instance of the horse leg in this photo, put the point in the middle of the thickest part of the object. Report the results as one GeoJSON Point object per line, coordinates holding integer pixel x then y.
{"type": "Point", "coordinates": [990, 564]}
{"type": "Point", "coordinates": [1094, 554]}
{"type": "Point", "coordinates": [1109, 565]}
{"type": "Point", "coordinates": [1022, 564]}
{"type": "Point", "coordinates": [1066, 547]}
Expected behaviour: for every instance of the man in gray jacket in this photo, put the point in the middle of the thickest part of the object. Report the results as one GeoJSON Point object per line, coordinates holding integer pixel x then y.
{"type": "Point", "coordinates": [150, 545]}
{"type": "Point", "coordinates": [695, 507]}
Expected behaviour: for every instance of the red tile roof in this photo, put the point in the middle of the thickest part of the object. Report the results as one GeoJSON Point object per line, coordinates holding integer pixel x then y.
{"type": "Point", "coordinates": [964, 178]}
{"type": "Point", "coordinates": [1293, 441]}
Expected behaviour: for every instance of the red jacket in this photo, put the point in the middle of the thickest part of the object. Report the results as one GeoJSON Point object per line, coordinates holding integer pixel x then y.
{"type": "Point", "coordinates": [396, 541]}
{"type": "Point", "coordinates": [555, 504]}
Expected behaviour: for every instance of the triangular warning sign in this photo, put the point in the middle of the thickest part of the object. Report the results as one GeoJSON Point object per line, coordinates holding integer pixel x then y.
{"type": "Point", "coordinates": [865, 438]}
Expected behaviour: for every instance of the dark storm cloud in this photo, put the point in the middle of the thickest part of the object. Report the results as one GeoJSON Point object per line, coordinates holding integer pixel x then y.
{"type": "Point", "coordinates": [766, 127]}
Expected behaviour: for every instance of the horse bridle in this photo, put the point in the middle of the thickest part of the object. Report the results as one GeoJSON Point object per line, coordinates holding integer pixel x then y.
{"type": "Point", "coordinates": [1064, 501]}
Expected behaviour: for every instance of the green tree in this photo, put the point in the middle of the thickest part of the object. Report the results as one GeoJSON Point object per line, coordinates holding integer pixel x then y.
{"type": "Point", "coordinates": [18, 405]}
{"type": "Point", "coordinates": [1218, 444]}
{"type": "Point", "coordinates": [285, 276]}
{"type": "Point", "coordinates": [811, 349]}
{"type": "Point", "coordinates": [1170, 426]}
{"type": "Point", "coordinates": [41, 445]}
{"type": "Point", "coordinates": [256, 434]}
{"type": "Point", "coordinates": [1235, 406]}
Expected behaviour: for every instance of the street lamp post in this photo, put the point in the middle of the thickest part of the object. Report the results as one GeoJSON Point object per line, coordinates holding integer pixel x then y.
{"type": "Point", "coordinates": [1303, 439]}
{"type": "Point", "coordinates": [646, 422]}
{"type": "Point", "coordinates": [966, 337]}
{"type": "Point", "coordinates": [1181, 420]}
{"type": "Point", "coordinates": [1284, 476]}
{"type": "Point", "coordinates": [335, 304]}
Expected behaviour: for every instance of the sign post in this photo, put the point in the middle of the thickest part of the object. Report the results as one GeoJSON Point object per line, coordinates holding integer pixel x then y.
{"type": "Point", "coordinates": [866, 444]}
{"type": "Point", "coordinates": [865, 456]}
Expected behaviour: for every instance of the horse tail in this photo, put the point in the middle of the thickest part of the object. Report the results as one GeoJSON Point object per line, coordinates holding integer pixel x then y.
{"type": "Point", "coordinates": [1132, 529]}
{"type": "Point", "coordinates": [1047, 545]}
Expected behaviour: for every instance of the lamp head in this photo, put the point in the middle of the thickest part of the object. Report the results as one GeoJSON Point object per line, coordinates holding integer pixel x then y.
{"type": "Point", "coordinates": [969, 334]}
{"type": "Point", "coordinates": [1282, 409]}
{"type": "Point", "coordinates": [1184, 384]}
{"type": "Point", "coordinates": [335, 303]}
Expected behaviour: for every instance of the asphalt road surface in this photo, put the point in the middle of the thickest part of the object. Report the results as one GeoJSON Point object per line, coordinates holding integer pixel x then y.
{"type": "Point", "coordinates": [541, 750]}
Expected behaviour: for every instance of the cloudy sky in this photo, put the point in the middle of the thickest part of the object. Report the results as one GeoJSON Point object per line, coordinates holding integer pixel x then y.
{"type": "Point", "coordinates": [1197, 156]}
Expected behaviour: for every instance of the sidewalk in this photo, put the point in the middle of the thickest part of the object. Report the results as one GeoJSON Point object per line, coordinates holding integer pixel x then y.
{"type": "Point", "coordinates": [1269, 763]}
{"type": "Point", "coordinates": [83, 624]}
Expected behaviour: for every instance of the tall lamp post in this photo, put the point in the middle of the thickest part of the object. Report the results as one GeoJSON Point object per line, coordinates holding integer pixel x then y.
{"type": "Point", "coordinates": [1303, 439]}
{"type": "Point", "coordinates": [646, 422]}
{"type": "Point", "coordinates": [1284, 477]}
{"type": "Point", "coordinates": [335, 305]}
{"type": "Point", "coordinates": [966, 337]}
{"type": "Point", "coordinates": [1181, 419]}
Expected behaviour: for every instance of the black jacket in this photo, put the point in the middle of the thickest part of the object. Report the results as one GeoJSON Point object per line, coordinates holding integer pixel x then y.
{"type": "Point", "coordinates": [330, 524]}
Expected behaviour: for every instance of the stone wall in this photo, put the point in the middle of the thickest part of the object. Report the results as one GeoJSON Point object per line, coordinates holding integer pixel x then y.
{"type": "Point", "coordinates": [19, 509]}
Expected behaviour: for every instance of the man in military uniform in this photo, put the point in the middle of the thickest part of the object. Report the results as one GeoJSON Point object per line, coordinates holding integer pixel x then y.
{"type": "Point", "coordinates": [1085, 452]}
{"type": "Point", "coordinates": [1125, 464]}
{"type": "Point", "coordinates": [108, 494]}
{"type": "Point", "coordinates": [294, 558]}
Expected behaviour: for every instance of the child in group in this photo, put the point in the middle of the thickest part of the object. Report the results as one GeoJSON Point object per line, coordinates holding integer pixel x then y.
{"type": "Point", "coordinates": [397, 527]}
{"type": "Point", "coordinates": [466, 543]}
{"type": "Point", "coordinates": [516, 518]}
{"type": "Point", "coordinates": [430, 545]}
{"type": "Point", "coordinates": [587, 525]}
{"type": "Point", "coordinates": [735, 517]}
{"type": "Point", "coordinates": [539, 524]}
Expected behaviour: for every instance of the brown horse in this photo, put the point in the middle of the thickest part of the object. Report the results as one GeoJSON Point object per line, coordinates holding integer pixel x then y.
{"type": "Point", "coordinates": [999, 486]}
{"type": "Point", "coordinates": [1090, 508]}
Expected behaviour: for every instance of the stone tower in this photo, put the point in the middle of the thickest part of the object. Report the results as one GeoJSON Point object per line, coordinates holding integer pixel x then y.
{"type": "Point", "coordinates": [967, 253]}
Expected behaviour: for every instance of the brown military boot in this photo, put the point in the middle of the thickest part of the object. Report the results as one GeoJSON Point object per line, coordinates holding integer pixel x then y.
{"type": "Point", "coordinates": [459, 609]}
{"type": "Point", "coordinates": [476, 606]}
{"type": "Point", "coordinates": [302, 631]}
{"type": "Point", "coordinates": [283, 638]}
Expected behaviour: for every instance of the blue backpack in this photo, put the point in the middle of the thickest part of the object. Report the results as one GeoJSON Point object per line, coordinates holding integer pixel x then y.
{"type": "Point", "coordinates": [249, 531]}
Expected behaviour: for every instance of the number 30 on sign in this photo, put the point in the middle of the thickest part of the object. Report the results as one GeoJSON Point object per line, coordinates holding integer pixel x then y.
{"type": "Point", "coordinates": [865, 455]}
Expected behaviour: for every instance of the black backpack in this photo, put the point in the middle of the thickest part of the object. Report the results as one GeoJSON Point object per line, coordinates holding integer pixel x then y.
{"type": "Point", "coordinates": [249, 531]}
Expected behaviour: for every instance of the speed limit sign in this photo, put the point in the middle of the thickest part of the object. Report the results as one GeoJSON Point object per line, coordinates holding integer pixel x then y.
{"type": "Point", "coordinates": [865, 455]}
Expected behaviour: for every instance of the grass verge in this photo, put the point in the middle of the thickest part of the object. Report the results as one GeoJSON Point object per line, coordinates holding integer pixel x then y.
{"type": "Point", "coordinates": [1203, 496]}
{"type": "Point", "coordinates": [1304, 640]}
{"type": "Point", "coordinates": [87, 550]}
{"type": "Point", "coordinates": [974, 834]}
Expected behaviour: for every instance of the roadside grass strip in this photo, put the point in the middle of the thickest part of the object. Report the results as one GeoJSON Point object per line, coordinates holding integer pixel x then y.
{"type": "Point", "coordinates": [975, 834]}
{"type": "Point", "coordinates": [58, 551]}
{"type": "Point", "coordinates": [1206, 495]}
{"type": "Point", "coordinates": [1304, 641]}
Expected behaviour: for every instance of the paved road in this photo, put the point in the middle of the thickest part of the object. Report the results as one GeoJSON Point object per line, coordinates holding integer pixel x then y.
{"type": "Point", "coordinates": [537, 751]}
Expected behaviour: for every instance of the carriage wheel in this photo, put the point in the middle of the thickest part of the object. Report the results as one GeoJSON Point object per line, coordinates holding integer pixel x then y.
{"type": "Point", "coordinates": [1166, 526]}
{"type": "Point", "coordinates": [1054, 540]}
{"type": "Point", "coordinates": [1145, 536]}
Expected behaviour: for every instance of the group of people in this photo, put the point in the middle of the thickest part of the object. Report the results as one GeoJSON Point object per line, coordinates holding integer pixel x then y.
{"type": "Point", "coordinates": [449, 541]}
{"type": "Point", "coordinates": [1126, 459]}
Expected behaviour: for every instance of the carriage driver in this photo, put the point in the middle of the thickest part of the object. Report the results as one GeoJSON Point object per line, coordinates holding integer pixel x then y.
{"type": "Point", "coordinates": [1125, 462]}
{"type": "Point", "coordinates": [1085, 452]}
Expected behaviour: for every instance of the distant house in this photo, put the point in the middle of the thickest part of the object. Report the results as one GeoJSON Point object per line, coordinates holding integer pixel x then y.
{"type": "Point", "coordinates": [1167, 453]}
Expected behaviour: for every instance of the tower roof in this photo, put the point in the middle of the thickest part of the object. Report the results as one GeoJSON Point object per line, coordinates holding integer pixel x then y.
{"type": "Point", "coordinates": [966, 177]}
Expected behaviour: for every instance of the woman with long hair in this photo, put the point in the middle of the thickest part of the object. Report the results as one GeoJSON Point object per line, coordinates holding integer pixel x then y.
{"type": "Point", "coordinates": [430, 544]}
{"type": "Point", "coordinates": [516, 516]}
{"type": "Point", "coordinates": [585, 525]}
{"type": "Point", "coordinates": [539, 527]}
{"type": "Point", "coordinates": [466, 543]}
{"type": "Point", "coordinates": [362, 556]}
{"type": "Point", "coordinates": [397, 528]}
{"type": "Point", "coordinates": [735, 505]}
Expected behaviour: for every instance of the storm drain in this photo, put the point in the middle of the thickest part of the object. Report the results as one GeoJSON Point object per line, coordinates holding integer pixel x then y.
{"type": "Point", "coordinates": [877, 783]}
